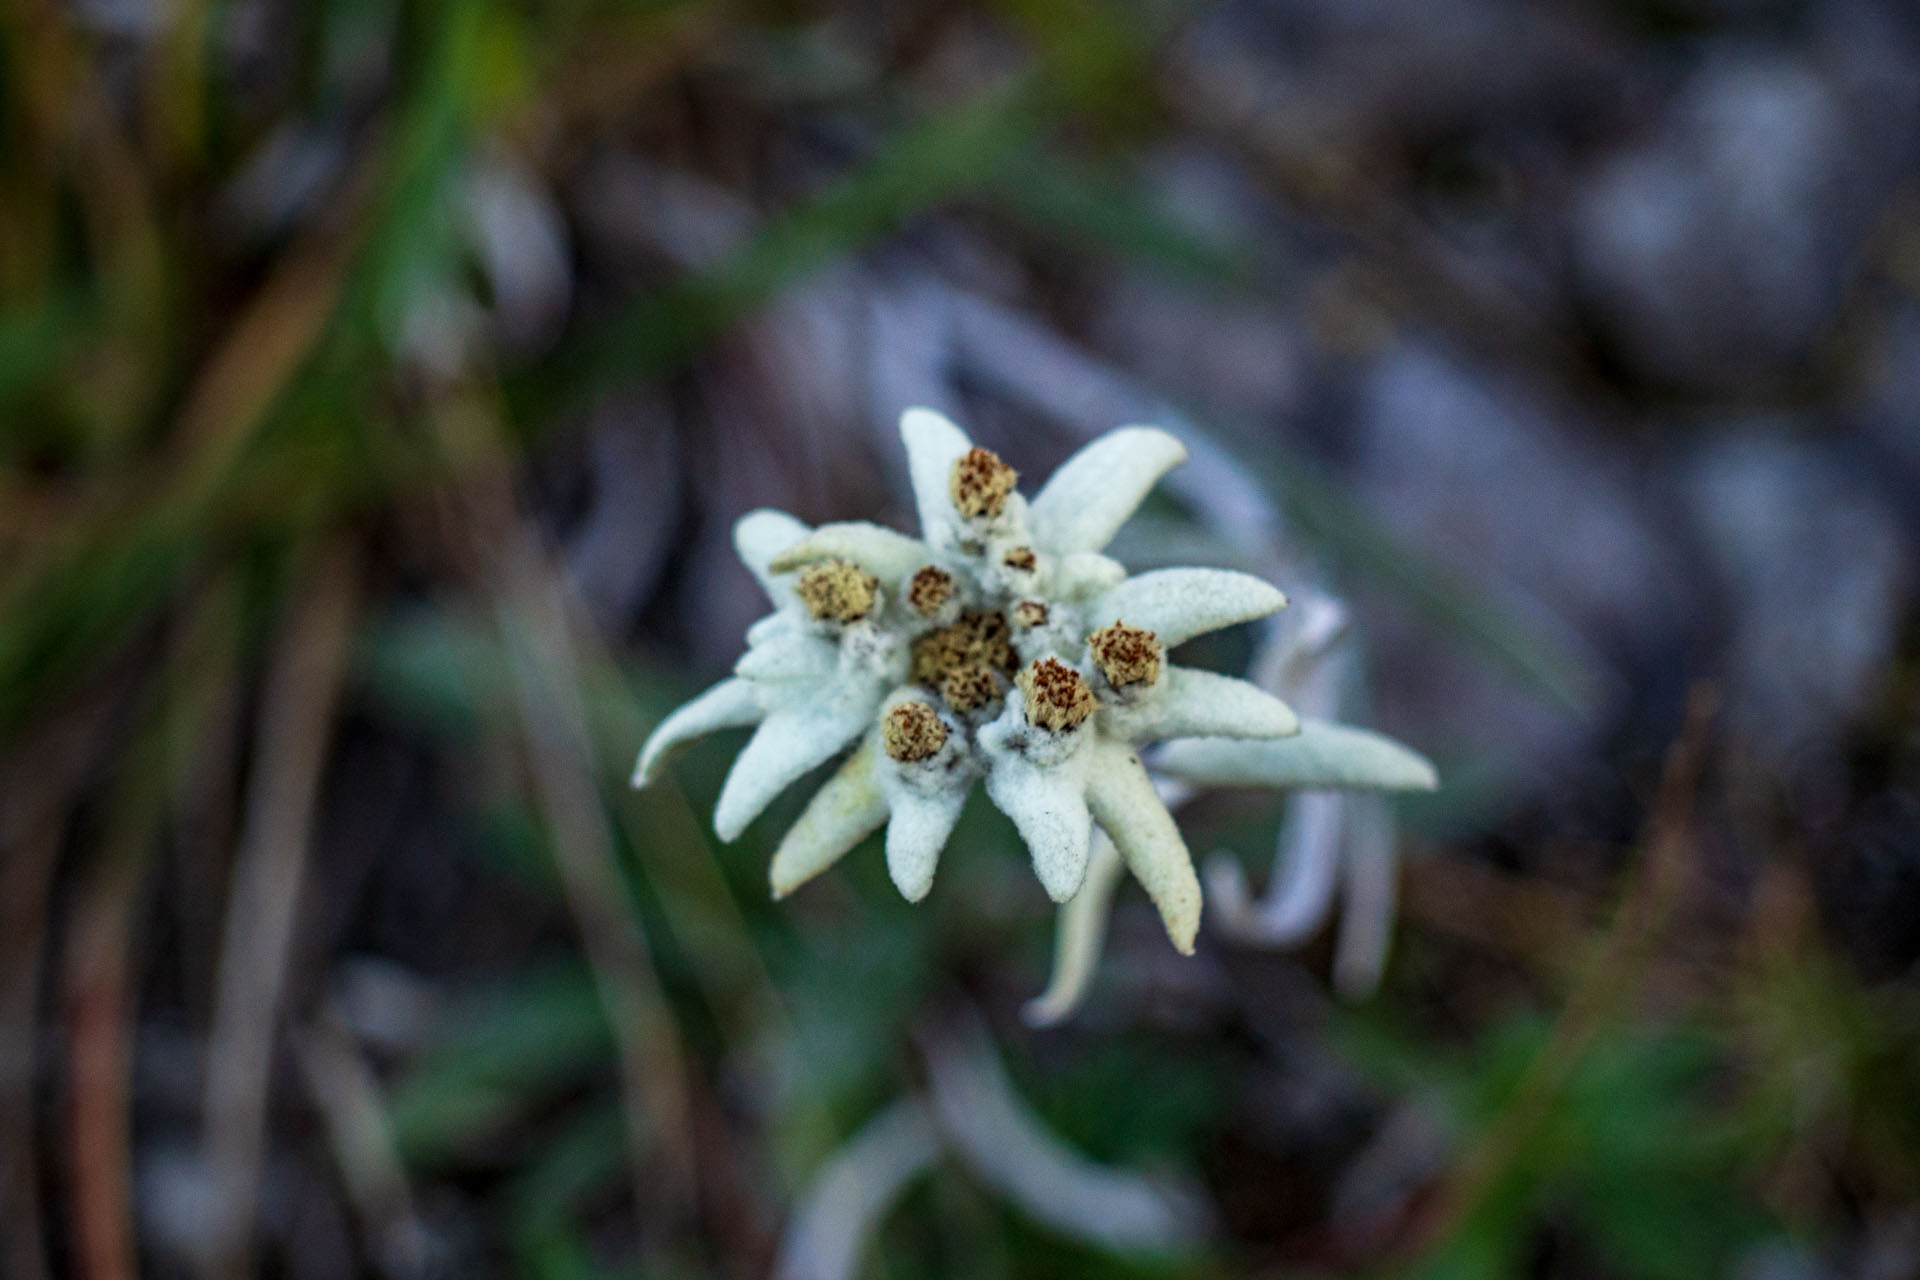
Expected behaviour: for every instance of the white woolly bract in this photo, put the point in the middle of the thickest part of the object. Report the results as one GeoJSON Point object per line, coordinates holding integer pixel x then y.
{"type": "Point", "coordinates": [881, 551]}
{"type": "Point", "coordinates": [788, 743]}
{"type": "Point", "coordinates": [1179, 604]}
{"type": "Point", "coordinates": [841, 814]}
{"type": "Point", "coordinates": [1085, 502]}
{"type": "Point", "coordinates": [1190, 703]}
{"type": "Point", "coordinates": [1123, 799]}
{"type": "Point", "coordinates": [1323, 756]}
{"type": "Point", "coordinates": [730, 704]}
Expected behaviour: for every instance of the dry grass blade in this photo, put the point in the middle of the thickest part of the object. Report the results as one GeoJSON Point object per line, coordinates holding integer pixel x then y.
{"type": "Point", "coordinates": [653, 1072]}
{"type": "Point", "coordinates": [296, 715]}
{"type": "Point", "coordinates": [504, 555]}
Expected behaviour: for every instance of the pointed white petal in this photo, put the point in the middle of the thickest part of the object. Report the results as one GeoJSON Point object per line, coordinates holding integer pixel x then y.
{"type": "Point", "coordinates": [790, 655]}
{"type": "Point", "coordinates": [1125, 805]}
{"type": "Point", "coordinates": [1178, 604]}
{"type": "Point", "coordinates": [883, 552]}
{"type": "Point", "coordinates": [1300, 892]}
{"type": "Point", "coordinates": [758, 537]}
{"type": "Point", "coordinates": [847, 1200]}
{"type": "Point", "coordinates": [1323, 755]}
{"type": "Point", "coordinates": [1366, 924]}
{"type": "Point", "coordinates": [1049, 806]}
{"type": "Point", "coordinates": [1080, 932]}
{"type": "Point", "coordinates": [1012, 1151]}
{"type": "Point", "coordinates": [840, 815]}
{"type": "Point", "coordinates": [934, 444]}
{"type": "Point", "coordinates": [916, 834]}
{"type": "Point", "coordinates": [787, 744]}
{"type": "Point", "coordinates": [1086, 501]}
{"type": "Point", "coordinates": [1190, 703]}
{"type": "Point", "coordinates": [727, 705]}
{"type": "Point", "coordinates": [779, 623]}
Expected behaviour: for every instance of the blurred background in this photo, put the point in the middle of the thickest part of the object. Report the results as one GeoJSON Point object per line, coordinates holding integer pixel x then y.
{"type": "Point", "coordinates": [379, 381]}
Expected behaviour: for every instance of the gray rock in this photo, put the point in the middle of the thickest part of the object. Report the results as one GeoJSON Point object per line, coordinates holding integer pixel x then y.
{"type": "Point", "coordinates": [1813, 567]}
{"type": "Point", "coordinates": [1716, 252]}
{"type": "Point", "coordinates": [1494, 487]}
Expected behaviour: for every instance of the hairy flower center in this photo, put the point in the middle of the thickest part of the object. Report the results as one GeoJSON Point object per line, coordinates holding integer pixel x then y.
{"type": "Point", "coordinates": [979, 638]}
{"type": "Point", "coordinates": [912, 731]}
{"type": "Point", "coordinates": [980, 483]}
{"type": "Point", "coordinates": [1126, 655]}
{"type": "Point", "coordinates": [966, 661]}
{"type": "Point", "coordinates": [970, 688]}
{"type": "Point", "coordinates": [1057, 698]}
{"type": "Point", "coordinates": [1029, 614]}
{"type": "Point", "coordinates": [834, 590]}
{"type": "Point", "coordinates": [930, 588]}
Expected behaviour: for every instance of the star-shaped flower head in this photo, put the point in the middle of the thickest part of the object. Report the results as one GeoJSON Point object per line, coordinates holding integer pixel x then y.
{"type": "Point", "coordinates": [999, 646]}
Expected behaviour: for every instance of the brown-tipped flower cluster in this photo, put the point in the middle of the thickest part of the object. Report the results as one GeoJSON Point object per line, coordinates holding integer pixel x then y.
{"type": "Point", "coordinates": [1020, 558]}
{"type": "Point", "coordinates": [929, 588]}
{"type": "Point", "coordinates": [1057, 698]}
{"type": "Point", "coordinates": [1126, 655]}
{"type": "Point", "coordinates": [979, 638]}
{"type": "Point", "coordinates": [912, 731]}
{"type": "Point", "coordinates": [836, 591]}
{"type": "Point", "coordinates": [980, 483]}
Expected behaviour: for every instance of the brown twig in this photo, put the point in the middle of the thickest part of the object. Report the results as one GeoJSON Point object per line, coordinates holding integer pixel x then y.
{"type": "Point", "coordinates": [100, 1009]}
{"type": "Point", "coordinates": [37, 793]}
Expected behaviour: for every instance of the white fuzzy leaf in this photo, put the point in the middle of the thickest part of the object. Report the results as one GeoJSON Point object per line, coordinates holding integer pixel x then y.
{"type": "Point", "coordinates": [934, 444]}
{"type": "Point", "coordinates": [758, 537]}
{"type": "Point", "coordinates": [1192, 703]}
{"type": "Point", "coordinates": [797, 654]}
{"type": "Point", "coordinates": [1087, 573]}
{"type": "Point", "coordinates": [728, 705]}
{"type": "Point", "coordinates": [1178, 604]}
{"type": "Point", "coordinates": [1086, 501]}
{"type": "Point", "coordinates": [1049, 807]}
{"type": "Point", "coordinates": [1371, 888]}
{"type": "Point", "coordinates": [886, 553]}
{"type": "Point", "coordinates": [781, 622]}
{"type": "Point", "coordinates": [1080, 931]}
{"type": "Point", "coordinates": [788, 743]}
{"type": "Point", "coordinates": [840, 815]}
{"type": "Point", "coordinates": [916, 834]}
{"type": "Point", "coordinates": [1300, 892]}
{"type": "Point", "coordinates": [1125, 805]}
{"type": "Point", "coordinates": [843, 1207]}
{"type": "Point", "coordinates": [1323, 755]}
{"type": "Point", "coordinates": [1010, 1149]}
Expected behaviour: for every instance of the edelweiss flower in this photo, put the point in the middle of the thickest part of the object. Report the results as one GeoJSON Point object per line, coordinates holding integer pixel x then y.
{"type": "Point", "coordinates": [1001, 647]}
